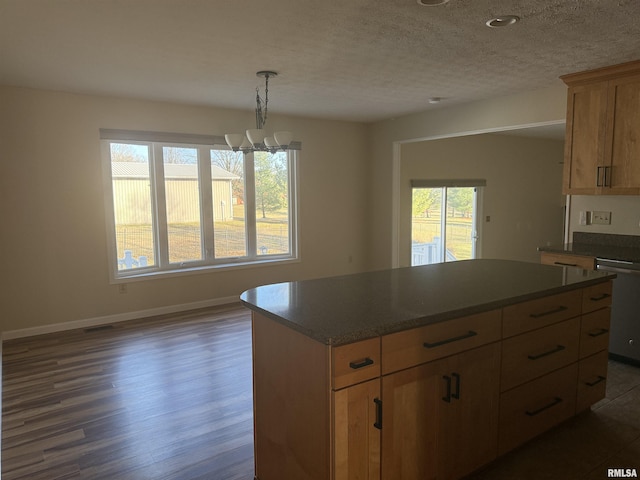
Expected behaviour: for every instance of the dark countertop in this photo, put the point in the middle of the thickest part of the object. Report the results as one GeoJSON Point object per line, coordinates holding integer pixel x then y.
{"type": "Point", "coordinates": [606, 246]}
{"type": "Point", "coordinates": [345, 309]}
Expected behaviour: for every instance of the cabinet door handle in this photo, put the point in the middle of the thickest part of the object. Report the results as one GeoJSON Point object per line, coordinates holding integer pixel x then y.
{"type": "Point", "coordinates": [558, 348]}
{"type": "Point", "coordinates": [548, 312]}
{"type": "Point", "coordinates": [566, 264]}
{"type": "Point", "coordinates": [598, 184]}
{"type": "Point", "coordinates": [447, 397]}
{"type": "Point", "coordinates": [595, 382]}
{"type": "Point", "coordinates": [597, 333]}
{"type": "Point", "coordinates": [363, 363]}
{"type": "Point", "coordinates": [599, 297]}
{"type": "Point", "coordinates": [555, 402]}
{"type": "Point", "coordinates": [607, 183]}
{"type": "Point", "coordinates": [457, 394]}
{"type": "Point", "coordinates": [469, 334]}
{"type": "Point", "coordinates": [378, 422]}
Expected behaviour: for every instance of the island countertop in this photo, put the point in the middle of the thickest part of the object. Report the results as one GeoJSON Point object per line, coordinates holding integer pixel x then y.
{"type": "Point", "coordinates": [349, 308]}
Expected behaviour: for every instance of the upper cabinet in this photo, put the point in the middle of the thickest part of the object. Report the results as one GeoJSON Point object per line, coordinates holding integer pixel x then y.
{"type": "Point", "coordinates": [602, 145]}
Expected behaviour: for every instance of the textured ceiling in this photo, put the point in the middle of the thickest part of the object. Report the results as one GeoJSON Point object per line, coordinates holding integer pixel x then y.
{"type": "Point", "coordinates": [361, 60]}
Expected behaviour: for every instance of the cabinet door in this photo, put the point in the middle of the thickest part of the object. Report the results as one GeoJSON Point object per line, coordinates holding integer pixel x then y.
{"type": "Point", "coordinates": [441, 418]}
{"type": "Point", "coordinates": [585, 138]}
{"type": "Point", "coordinates": [623, 137]}
{"type": "Point", "coordinates": [357, 423]}
{"type": "Point", "coordinates": [469, 424]}
{"type": "Point", "coordinates": [412, 404]}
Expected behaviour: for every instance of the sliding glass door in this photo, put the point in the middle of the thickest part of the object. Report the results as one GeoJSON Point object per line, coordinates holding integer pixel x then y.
{"type": "Point", "coordinates": [444, 223]}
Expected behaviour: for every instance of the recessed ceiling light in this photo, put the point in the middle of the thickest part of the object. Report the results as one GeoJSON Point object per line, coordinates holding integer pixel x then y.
{"type": "Point", "coordinates": [432, 3]}
{"type": "Point", "coordinates": [434, 100]}
{"type": "Point", "coordinates": [502, 21]}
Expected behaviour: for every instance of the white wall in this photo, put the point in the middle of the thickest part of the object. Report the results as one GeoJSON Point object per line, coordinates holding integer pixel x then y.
{"type": "Point", "coordinates": [625, 214]}
{"type": "Point", "coordinates": [530, 108]}
{"type": "Point", "coordinates": [53, 238]}
{"type": "Point", "coordinates": [522, 198]}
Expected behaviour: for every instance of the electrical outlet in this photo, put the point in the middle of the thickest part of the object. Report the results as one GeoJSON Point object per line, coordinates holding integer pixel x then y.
{"type": "Point", "coordinates": [601, 218]}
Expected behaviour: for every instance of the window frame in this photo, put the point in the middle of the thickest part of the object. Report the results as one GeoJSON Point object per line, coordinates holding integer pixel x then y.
{"type": "Point", "coordinates": [208, 262]}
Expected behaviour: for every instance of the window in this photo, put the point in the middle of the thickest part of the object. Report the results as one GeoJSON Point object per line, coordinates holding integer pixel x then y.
{"type": "Point", "coordinates": [174, 206]}
{"type": "Point", "coordinates": [444, 225]}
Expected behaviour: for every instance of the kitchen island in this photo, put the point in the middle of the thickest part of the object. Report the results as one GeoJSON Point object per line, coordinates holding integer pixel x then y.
{"type": "Point", "coordinates": [421, 372]}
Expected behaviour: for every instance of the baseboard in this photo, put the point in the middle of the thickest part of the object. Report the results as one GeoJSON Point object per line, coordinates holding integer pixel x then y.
{"type": "Point", "coordinates": [119, 317]}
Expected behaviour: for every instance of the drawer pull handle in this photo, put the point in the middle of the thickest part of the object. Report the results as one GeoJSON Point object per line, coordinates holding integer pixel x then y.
{"type": "Point", "coordinates": [596, 382]}
{"type": "Point", "coordinates": [378, 422]}
{"type": "Point", "coordinates": [363, 363]}
{"type": "Point", "coordinates": [469, 334]}
{"type": "Point", "coordinates": [566, 264]}
{"type": "Point", "coordinates": [548, 312]}
{"type": "Point", "coordinates": [555, 402]}
{"type": "Point", "coordinates": [557, 349]}
{"type": "Point", "coordinates": [597, 333]}
{"type": "Point", "coordinates": [447, 379]}
{"type": "Point", "coordinates": [599, 297]}
{"type": "Point", "coordinates": [457, 394]}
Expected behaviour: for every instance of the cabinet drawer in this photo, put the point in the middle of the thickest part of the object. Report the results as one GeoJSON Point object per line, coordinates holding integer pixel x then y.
{"type": "Point", "coordinates": [533, 314]}
{"type": "Point", "coordinates": [533, 354]}
{"type": "Point", "coordinates": [565, 260]}
{"type": "Point", "coordinates": [536, 406]}
{"type": "Point", "coordinates": [419, 345]}
{"type": "Point", "coordinates": [596, 296]}
{"type": "Point", "coordinates": [592, 380]}
{"type": "Point", "coordinates": [355, 362]}
{"type": "Point", "coordinates": [594, 332]}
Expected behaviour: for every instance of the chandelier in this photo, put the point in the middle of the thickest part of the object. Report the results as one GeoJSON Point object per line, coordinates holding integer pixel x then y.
{"type": "Point", "coordinates": [256, 139]}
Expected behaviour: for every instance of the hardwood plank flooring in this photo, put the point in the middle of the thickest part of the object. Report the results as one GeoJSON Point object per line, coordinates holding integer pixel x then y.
{"type": "Point", "coordinates": [170, 398]}
{"type": "Point", "coordinates": [162, 398]}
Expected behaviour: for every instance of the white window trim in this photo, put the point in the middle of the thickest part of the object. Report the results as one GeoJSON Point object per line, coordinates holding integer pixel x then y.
{"type": "Point", "coordinates": [208, 263]}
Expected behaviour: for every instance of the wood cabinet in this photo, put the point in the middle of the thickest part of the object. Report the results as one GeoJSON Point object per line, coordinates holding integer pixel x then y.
{"type": "Point", "coordinates": [602, 145]}
{"type": "Point", "coordinates": [568, 260]}
{"type": "Point", "coordinates": [433, 402]}
{"type": "Point", "coordinates": [440, 418]}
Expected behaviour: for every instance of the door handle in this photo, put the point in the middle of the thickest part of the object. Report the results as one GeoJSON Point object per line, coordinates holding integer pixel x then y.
{"type": "Point", "coordinates": [469, 334]}
{"type": "Point", "coordinates": [558, 309]}
{"type": "Point", "coordinates": [363, 363]}
{"type": "Point", "coordinates": [533, 413]}
{"type": "Point", "coordinates": [378, 422]}
{"type": "Point", "coordinates": [447, 397]}
{"type": "Point", "coordinates": [457, 394]}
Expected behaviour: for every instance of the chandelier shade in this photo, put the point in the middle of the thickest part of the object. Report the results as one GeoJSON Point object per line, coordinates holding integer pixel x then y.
{"type": "Point", "coordinates": [257, 139]}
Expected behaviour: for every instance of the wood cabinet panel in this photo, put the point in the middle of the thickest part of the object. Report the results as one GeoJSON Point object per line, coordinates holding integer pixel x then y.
{"type": "Point", "coordinates": [448, 413]}
{"type": "Point", "coordinates": [596, 296]}
{"type": "Point", "coordinates": [356, 449]}
{"type": "Point", "coordinates": [566, 260]}
{"type": "Point", "coordinates": [623, 142]}
{"type": "Point", "coordinates": [594, 332]}
{"type": "Point", "coordinates": [536, 406]}
{"type": "Point", "coordinates": [355, 362]}
{"type": "Point", "coordinates": [592, 380]}
{"type": "Point", "coordinates": [539, 352]}
{"type": "Point", "coordinates": [419, 345]}
{"type": "Point", "coordinates": [585, 137]}
{"type": "Point", "coordinates": [602, 149]}
{"type": "Point", "coordinates": [525, 316]}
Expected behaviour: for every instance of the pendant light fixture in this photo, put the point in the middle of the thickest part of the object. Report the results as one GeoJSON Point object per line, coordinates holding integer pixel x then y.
{"type": "Point", "coordinates": [256, 139]}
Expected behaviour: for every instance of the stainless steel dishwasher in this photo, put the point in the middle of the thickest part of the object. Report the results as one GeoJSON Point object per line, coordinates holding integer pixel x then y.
{"type": "Point", "coordinates": [624, 336]}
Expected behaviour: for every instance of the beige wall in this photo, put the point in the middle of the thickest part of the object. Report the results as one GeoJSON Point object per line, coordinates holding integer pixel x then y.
{"type": "Point", "coordinates": [531, 108]}
{"type": "Point", "coordinates": [53, 238]}
{"type": "Point", "coordinates": [625, 214]}
{"type": "Point", "coordinates": [522, 197]}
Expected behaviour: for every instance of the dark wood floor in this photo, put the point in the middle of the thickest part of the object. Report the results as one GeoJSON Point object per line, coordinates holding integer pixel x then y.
{"type": "Point", "coordinates": [171, 398]}
{"type": "Point", "coordinates": [166, 398]}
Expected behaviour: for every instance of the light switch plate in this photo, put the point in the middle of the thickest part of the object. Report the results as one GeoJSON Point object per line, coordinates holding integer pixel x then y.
{"type": "Point", "coordinates": [601, 218]}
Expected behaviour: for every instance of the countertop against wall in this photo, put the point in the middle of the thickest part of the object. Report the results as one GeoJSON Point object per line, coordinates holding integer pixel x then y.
{"type": "Point", "coordinates": [624, 248]}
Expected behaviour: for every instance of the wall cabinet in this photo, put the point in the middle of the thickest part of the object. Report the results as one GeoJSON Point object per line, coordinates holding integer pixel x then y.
{"type": "Point", "coordinates": [602, 144]}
